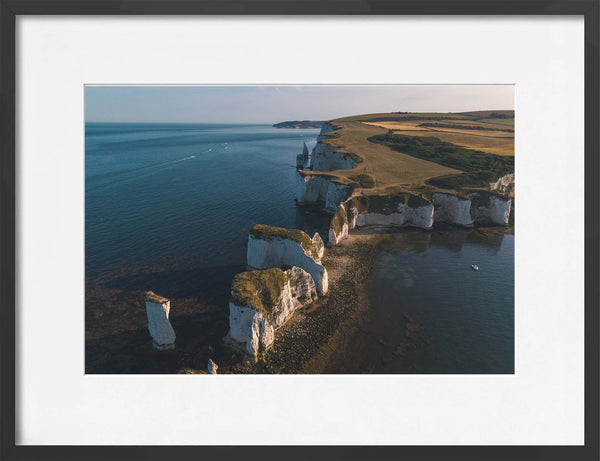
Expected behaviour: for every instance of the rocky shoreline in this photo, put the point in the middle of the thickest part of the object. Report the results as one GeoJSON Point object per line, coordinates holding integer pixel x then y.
{"type": "Point", "coordinates": [300, 341]}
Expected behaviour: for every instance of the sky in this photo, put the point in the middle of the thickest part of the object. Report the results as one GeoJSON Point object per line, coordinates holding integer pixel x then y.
{"type": "Point", "coordinates": [272, 104]}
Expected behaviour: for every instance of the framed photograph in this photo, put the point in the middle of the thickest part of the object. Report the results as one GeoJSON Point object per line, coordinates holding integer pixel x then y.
{"type": "Point", "coordinates": [299, 229]}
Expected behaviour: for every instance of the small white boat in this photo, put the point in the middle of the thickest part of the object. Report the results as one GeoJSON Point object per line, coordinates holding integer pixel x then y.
{"type": "Point", "coordinates": [475, 267]}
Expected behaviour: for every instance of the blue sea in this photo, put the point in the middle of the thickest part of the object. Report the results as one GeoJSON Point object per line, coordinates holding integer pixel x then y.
{"type": "Point", "coordinates": [187, 192]}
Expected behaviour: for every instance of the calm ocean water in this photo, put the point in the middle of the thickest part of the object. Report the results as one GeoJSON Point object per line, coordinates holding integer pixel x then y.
{"type": "Point", "coordinates": [464, 319]}
{"type": "Point", "coordinates": [173, 192]}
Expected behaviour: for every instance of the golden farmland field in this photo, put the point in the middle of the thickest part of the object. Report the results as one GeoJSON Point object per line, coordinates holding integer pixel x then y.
{"type": "Point", "coordinates": [393, 169]}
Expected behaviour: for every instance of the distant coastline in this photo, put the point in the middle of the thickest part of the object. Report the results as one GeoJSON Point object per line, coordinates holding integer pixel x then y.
{"type": "Point", "coordinates": [304, 124]}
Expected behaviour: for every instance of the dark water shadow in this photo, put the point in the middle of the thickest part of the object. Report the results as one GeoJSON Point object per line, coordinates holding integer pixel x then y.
{"type": "Point", "coordinates": [199, 315]}
{"type": "Point", "coordinates": [198, 339]}
{"type": "Point", "coordinates": [451, 238]}
{"type": "Point", "coordinates": [206, 283]}
{"type": "Point", "coordinates": [311, 219]}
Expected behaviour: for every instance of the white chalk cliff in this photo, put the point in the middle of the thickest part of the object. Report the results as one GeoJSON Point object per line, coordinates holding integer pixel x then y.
{"type": "Point", "coordinates": [452, 209]}
{"type": "Point", "coordinates": [404, 215]}
{"type": "Point", "coordinates": [261, 302]}
{"type": "Point", "coordinates": [157, 309]}
{"type": "Point", "coordinates": [336, 194]}
{"type": "Point", "coordinates": [312, 188]}
{"type": "Point", "coordinates": [488, 208]}
{"type": "Point", "coordinates": [340, 225]}
{"type": "Point", "coordinates": [325, 157]}
{"type": "Point", "coordinates": [212, 367]}
{"type": "Point", "coordinates": [479, 207]}
{"type": "Point", "coordinates": [277, 247]}
{"type": "Point", "coordinates": [303, 160]}
{"type": "Point", "coordinates": [505, 185]}
{"type": "Point", "coordinates": [318, 245]}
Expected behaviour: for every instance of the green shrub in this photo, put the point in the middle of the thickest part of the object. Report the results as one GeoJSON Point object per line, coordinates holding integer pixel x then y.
{"type": "Point", "coordinates": [480, 168]}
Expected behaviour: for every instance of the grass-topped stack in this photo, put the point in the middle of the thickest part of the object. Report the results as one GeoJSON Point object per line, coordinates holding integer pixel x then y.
{"type": "Point", "coordinates": [270, 246]}
{"type": "Point", "coordinates": [262, 301]}
{"type": "Point", "coordinates": [157, 310]}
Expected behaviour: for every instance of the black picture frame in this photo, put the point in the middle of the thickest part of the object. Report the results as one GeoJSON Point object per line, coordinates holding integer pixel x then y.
{"type": "Point", "coordinates": [9, 9]}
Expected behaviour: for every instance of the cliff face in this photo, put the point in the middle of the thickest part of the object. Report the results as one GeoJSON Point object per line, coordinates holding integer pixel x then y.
{"type": "Point", "coordinates": [249, 331]}
{"type": "Point", "coordinates": [312, 189]}
{"type": "Point", "coordinates": [389, 211]}
{"type": "Point", "coordinates": [157, 309]}
{"type": "Point", "coordinates": [336, 194]}
{"type": "Point", "coordinates": [404, 215]}
{"type": "Point", "coordinates": [303, 160]}
{"type": "Point", "coordinates": [480, 207]}
{"type": "Point", "coordinates": [318, 245]}
{"type": "Point", "coordinates": [261, 302]}
{"type": "Point", "coordinates": [328, 158]}
{"type": "Point", "coordinates": [277, 247]}
{"type": "Point", "coordinates": [340, 225]}
{"type": "Point", "coordinates": [325, 157]}
{"type": "Point", "coordinates": [488, 208]}
{"type": "Point", "coordinates": [505, 185]}
{"type": "Point", "coordinates": [452, 209]}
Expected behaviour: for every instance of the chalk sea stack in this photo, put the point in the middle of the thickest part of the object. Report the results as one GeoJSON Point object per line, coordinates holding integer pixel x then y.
{"type": "Point", "coordinates": [262, 301]}
{"type": "Point", "coordinates": [157, 309]}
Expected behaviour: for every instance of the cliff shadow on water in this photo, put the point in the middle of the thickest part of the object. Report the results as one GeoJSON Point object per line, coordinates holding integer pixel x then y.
{"type": "Point", "coordinates": [311, 218]}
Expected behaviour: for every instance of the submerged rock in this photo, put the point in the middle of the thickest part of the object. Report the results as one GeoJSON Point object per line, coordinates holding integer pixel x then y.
{"type": "Point", "coordinates": [262, 301]}
{"type": "Point", "coordinates": [157, 309]}
{"type": "Point", "coordinates": [278, 247]}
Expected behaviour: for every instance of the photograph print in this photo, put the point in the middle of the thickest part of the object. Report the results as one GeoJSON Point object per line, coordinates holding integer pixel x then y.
{"type": "Point", "coordinates": [316, 229]}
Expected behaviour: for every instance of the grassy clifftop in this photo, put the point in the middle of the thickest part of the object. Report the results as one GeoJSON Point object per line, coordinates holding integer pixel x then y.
{"type": "Point", "coordinates": [260, 290]}
{"type": "Point", "coordinates": [412, 152]}
{"type": "Point", "coordinates": [480, 167]}
{"type": "Point", "coordinates": [264, 232]}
